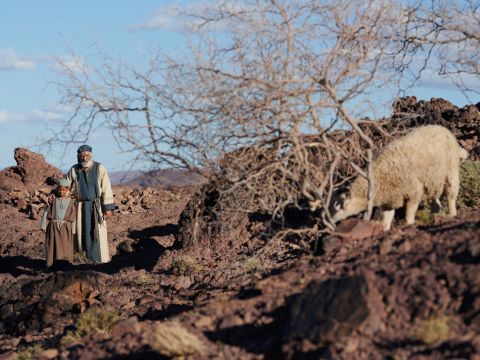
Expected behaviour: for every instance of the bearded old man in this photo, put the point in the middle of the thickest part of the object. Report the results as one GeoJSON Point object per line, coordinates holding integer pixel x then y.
{"type": "Point", "coordinates": [93, 193]}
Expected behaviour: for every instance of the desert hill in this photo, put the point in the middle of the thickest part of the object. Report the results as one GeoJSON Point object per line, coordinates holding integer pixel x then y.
{"type": "Point", "coordinates": [413, 292]}
{"type": "Point", "coordinates": [165, 178]}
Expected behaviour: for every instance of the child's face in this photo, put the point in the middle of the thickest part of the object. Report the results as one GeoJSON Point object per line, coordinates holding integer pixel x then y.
{"type": "Point", "coordinates": [62, 191]}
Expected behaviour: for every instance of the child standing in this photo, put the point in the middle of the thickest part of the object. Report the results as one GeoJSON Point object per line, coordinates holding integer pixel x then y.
{"type": "Point", "coordinates": [56, 222]}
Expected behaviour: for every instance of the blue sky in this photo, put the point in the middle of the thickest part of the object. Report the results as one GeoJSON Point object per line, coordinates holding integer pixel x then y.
{"type": "Point", "coordinates": [34, 32]}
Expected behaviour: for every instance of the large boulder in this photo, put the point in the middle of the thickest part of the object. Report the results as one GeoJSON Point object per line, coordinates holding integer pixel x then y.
{"type": "Point", "coordinates": [50, 301]}
{"type": "Point", "coordinates": [10, 180]}
{"type": "Point", "coordinates": [33, 169]}
{"type": "Point", "coordinates": [25, 185]}
{"type": "Point", "coordinates": [31, 172]}
{"type": "Point", "coordinates": [330, 311]}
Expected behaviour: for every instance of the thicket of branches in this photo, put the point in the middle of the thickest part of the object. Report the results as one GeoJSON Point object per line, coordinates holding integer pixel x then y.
{"type": "Point", "coordinates": [259, 87]}
{"type": "Point", "coordinates": [449, 31]}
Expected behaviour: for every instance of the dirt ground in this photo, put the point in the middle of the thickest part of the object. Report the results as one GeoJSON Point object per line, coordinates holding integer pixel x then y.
{"type": "Point", "coordinates": [409, 293]}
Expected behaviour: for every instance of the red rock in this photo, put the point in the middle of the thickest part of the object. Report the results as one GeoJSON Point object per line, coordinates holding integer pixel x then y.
{"type": "Point", "coordinates": [385, 246]}
{"type": "Point", "coordinates": [127, 326]}
{"type": "Point", "coordinates": [21, 204]}
{"type": "Point", "coordinates": [20, 194]}
{"type": "Point", "coordinates": [9, 355]}
{"type": "Point", "coordinates": [49, 354]}
{"type": "Point", "coordinates": [204, 322]}
{"type": "Point", "coordinates": [33, 168]}
{"type": "Point", "coordinates": [10, 179]}
{"type": "Point", "coordinates": [359, 229]}
{"type": "Point", "coordinates": [230, 321]}
{"type": "Point", "coordinates": [183, 282]}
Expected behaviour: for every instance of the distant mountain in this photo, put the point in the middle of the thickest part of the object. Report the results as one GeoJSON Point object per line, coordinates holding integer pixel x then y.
{"type": "Point", "coordinates": [157, 178]}
{"type": "Point", "coordinates": [123, 177]}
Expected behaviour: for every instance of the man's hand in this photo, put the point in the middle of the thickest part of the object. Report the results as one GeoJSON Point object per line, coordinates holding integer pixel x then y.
{"type": "Point", "coordinates": [51, 198]}
{"type": "Point", "coordinates": [108, 214]}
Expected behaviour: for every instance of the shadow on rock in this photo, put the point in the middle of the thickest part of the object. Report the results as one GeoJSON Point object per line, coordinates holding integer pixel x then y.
{"type": "Point", "coordinates": [263, 339]}
{"type": "Point", "coordinates": [163, 230]}
{"type": "Point", "coordinates": [169, 311]}
{"type": "Point", "coordinates": [140, 355]}
{"type": "Point", "coordinates": [20, 265]}
{"type": "Point", "coordinates": [449, 350]}
{"type": "Point", "coordinates": [448, 227]}
{"type": "Point", "coordinates": [50, 301]}
{"type": "Point", "coordinates": [329, 311]}
{"type": "Point", "coordinates": [145, 256]}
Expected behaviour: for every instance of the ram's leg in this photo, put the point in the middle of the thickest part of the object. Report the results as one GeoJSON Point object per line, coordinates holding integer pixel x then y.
{"type": "Point", "coordinates": [411, 210]}
{"type": "Point", "coordinates": [452, 187]}
{"type": "Point", "coordinates": [387, 218]}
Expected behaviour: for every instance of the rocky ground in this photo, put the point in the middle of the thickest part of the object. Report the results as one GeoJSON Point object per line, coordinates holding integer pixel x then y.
{"type": "Point", "coordinates": [410, 293]}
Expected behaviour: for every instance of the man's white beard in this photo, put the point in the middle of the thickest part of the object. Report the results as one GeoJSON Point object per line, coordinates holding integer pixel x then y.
{"type": "Point", "coordinates": [86, 164]}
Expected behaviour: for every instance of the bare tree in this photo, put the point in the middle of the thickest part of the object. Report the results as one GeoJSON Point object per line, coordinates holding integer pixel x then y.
{"type": "Point", "coordinates": [261, 85]}
{"type": "Point", "coordinates": [446, 33]}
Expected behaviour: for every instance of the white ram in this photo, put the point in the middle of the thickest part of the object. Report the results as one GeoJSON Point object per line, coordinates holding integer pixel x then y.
{"type": "Point", "coordinates": [422, 165]}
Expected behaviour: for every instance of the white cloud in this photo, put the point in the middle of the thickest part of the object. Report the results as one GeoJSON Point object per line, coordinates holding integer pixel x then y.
{"type": "Point", "coordinates": [70, 64]}
{"type": "Point", "coordinates": [57, 113]}
{"type": "Point", "coordinates": [9, 118]}
{"type": "Point", "coordinates": [191, 17]}
{"type": "Point", "coordinates": [47, 115]}
{"type": "Point", "coordinates": [10, 60]}
{"type": "Point", "coordinates": [431, 79]}
{"type": "Point", "coordinates": [165, 19]}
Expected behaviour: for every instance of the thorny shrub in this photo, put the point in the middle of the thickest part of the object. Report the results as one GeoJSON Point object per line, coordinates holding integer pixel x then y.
{"type": "Point", "coordinates": [277, 181]}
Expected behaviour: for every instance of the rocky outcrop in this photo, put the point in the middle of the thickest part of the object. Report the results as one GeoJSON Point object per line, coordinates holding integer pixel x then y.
{"type": "Point", "coordinates": [463, 122]}
{"type": "Point", "coordinates": [33, 169]}
{"type": "Point", "coordinates": [40, 303]}
{"type": "Point", "coordinates": [330, 311]}
{"type": "Point", "coordinates": [31, 172]}
{"type": "Point", "coordinates": [132, 200]}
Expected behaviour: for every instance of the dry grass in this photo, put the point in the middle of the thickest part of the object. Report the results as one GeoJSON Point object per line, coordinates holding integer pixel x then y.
{"type": "Point", "coordinates": [182, 265]}
{"type": "Point", "coordinates": [433, 330]}
{"type": "Point", "coordinates": [425, 216]}
{"type": "Point", "coordinates": [170, 339]}
{"type": "Point", "coordinates": [80, 257]}
{"type": "Point", "coordinates": [31, 353]}
{"type": "Point", "coordinates": [144, 279]}
{"type": "Point", "coordinates": [90, 322]}
{"type": "Point", "coordinates": [252, 265]}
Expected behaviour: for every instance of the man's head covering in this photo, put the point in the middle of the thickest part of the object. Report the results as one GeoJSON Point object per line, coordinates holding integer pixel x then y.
{"type": "Point", "coordinates": [84, 148]}
{"type": "Point", "coordinates": [63, 182]}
